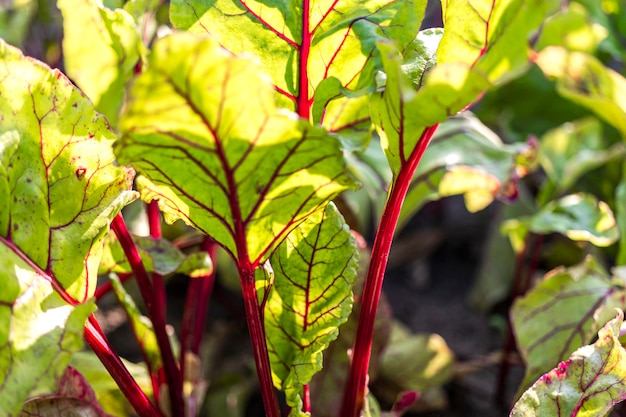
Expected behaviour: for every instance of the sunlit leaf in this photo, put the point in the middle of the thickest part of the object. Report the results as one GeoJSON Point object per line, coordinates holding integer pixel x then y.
{"type": "Point", "coordinates": [203, 130]}
{"type": "Point", "coordinates": [585, 80]}
{"type": "Point", "coordinates": [588, 384]}
{"type": "Point", "coordinates": [73, 397]}
{"type": "Point", "coordinates": [572, 28]}
{"type": "Point", "coordinates": [492, 37]}
{"type": "Point", "coordinates": [562, 313]}
{"type": "Point", "coordinates": [305, 44]}
{"type": "Point", "coordinates": [401, 114]}
{"type": "Point", "coordinates": [101, 48]}
{"type": "Point", "coordinates": [580, 217]}
{"type": "Point", "coordinates": [315, 269]}
{"type": "Point", "coordinates": [59, 189]}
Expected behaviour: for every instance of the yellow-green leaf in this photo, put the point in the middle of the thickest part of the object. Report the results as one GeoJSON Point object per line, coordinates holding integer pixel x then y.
{"type": "Point", "coordinates": [203, 130]}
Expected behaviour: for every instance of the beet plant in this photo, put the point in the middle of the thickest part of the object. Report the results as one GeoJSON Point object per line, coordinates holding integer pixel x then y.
{"type": "Point", "coordinates": [241, 124]}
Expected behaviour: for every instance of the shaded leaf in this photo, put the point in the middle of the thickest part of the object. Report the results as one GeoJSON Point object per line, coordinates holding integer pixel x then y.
{"type": "Point", "coordinates": [415, 362]}
{"type": "Point", "coordinates": [315, 269]}
{"type": "Point", "coordinates": [215, 152]}
{"type": "Point", "coordinates": [586, 81]}
{"type": "Point", "coordinates": [568, 152]}
{"type": "Point", "coordinates": [105, 387]}
{"type": "Point", "coordinates": [60, 188]}
{"type": "Point", "coordinates": [465, 157]}
{"type": "Point", "coordinates": [73, 397]}
{"type": "Point", "coordinates": [157, 255]}
{"type": "Point", "coordinates": [588, 384]}
{"type": "Point", "coordinates": [101, 48]}
{"type": "Point", "coordinates": [308, 42]}
{"type": "Point", "coordinates": [15, 18]}
{"type": "Point", "coordinates": [141, 325]}
{"type": "Point", "coordinates": [580, 217]}
{"type": "Point", "coordinates": [563, 312]}
{"type": "Point", "coordinates": [620, 202]}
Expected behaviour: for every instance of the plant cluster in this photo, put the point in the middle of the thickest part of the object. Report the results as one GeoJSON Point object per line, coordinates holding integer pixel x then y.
{"type": "Point", "coordinates": [260, 127]}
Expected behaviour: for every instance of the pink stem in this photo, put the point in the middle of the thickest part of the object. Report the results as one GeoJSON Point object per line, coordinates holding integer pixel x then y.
{"type": "Point", "coordinates": [354, 395]}
{"type": "Point", "coordinates": [196, 306]}
{"type": "Point", "coordinates": [100, 345]}
{"type": "Point", "coordinates": [157, 315]}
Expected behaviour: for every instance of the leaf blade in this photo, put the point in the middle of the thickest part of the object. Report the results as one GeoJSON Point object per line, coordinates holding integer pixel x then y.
{"type": "Point", "coordinates": [258, 171]}
{"type": "Point", "coordinates": [315, 269]}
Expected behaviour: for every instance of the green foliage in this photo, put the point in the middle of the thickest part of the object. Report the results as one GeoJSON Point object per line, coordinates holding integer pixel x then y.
{"type": "Point", "coordinates": [101, 49]}
{"type": "Point", "coordinates": [587, 384]}
{"type": "Point", "coordinates": [246, 127]}
{"type": "Point", "coordinates": [314, 272]}
{"type": "Point", "coordinates": [173, 135]}
{"type": "Point", "coordinates": [563, 312]}
{"type": "Point", "coordinates": [60, 189]}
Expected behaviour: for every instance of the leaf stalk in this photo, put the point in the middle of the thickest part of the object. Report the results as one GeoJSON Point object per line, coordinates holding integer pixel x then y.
{"type": "Point", "coordinates": [354, 394]}
{"type": "Point", "coordinates": [157, 315]}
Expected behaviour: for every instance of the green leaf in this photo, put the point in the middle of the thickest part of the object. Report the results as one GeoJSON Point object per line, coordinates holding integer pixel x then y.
{"type": "Point", "coordinates": [573, 29]}
{"type": "Point", "coordinates": [142, 326]}
{"type": "Point", "coordinates": [15, 19]}
{"type": "Point", "coordinates": [203, 130]}
{"type": "Point", "coordinates": [39, 331]}
{"type": "Point", "coordinates": [339, 41]}
{"type": "Point", "coordinates": [328, 385]}
{"type": "Point", "coordinates": [620, 202]}
{"type": "Point", "coordinates": [483, 43]}
{"type": "Point", "coordinates": [492, 37]}
{"type": "Point", "coordinates": [563, 312]}
{"type": "Point", "coordinates": [101, 48]}
{"type": "Point", "coordinates": [60, 188]}
{"type": "Point", "coordinates": [105, 387]}
{"type": "Point", "coordinates": [588, 384]}
{"type": "Point", "coordinates": [401, 114]}
{"type": "Point", "coordinates": [58, 173]}
{"type": "Point", "coordinates": [580, 217]}
{"type": "Point", "coordinates": [568, 152]}
{"type": "Point", "coordinates": [415, 362]}
{"type": "Point", "coordinates": [465, 157]}
{"type": "Point", "coordinates": [586, 81]}
{"type": "Point", "coordinates": [73, 397]}
{"type": "Point", "coordinates": [315, 270]}
{"type": "Point", "coordinates": [158, 255]}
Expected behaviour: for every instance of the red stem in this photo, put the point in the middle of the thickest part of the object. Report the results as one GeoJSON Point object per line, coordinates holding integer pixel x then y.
{"type": "Point", "coordinates": [99, 344]}
{"type": "Point", "coordinates": [158, 287]}
{"type": "Point", "coordinates": [157, 315]}
{"type": "Point", "coordinates": [256, 328]}
{"type": "Point", "coordinates": [354, 395]}
{"type": "Point", "coordinates": [303, 103]}
{"type": "Point", "coordinates": [196, 306]}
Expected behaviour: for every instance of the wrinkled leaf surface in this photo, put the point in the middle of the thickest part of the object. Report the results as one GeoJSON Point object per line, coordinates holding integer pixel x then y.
{"type": "Point", "coordinates": [588, 384]}
{"type": "Point", "coordinates": [562, 313]}
{"type": "Point", "coordinates": [203, 130]}
{"type": "Point", "coordinates": [315, 269]}
{"type": "Point", "coordinates": [59, 189]}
